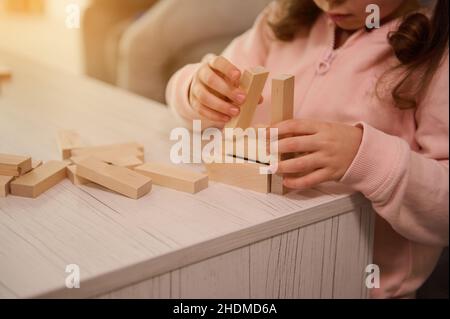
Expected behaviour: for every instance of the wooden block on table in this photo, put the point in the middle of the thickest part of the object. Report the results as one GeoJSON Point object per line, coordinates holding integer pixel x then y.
{"type": "Point", "coordinates": [282, 109]}
{"type": "Point", "coordinates": [124, 148]}
{"type": "Point", "coordinates": [35, 164]}
{"type": "Point", "coordinates": [252, 82]}
{"type": "Point", "coordinates": [5, 185]}
{"type": "Point", "coordinates": [39, 180]}
{"type": "Point", "coordinates": [119, 179]}
{"type": "Point", "coordinates": [67, 141]}
{"type": "Point", "coordinates": [177, 178]}
{"type": "Point", "coordinates": [115, 153]}
{"type": "Point", "coordinates": [247, 147]}
{"type": "Point", "coordinates": [128, 161]}
{"type": "Point", "coordinates": [14, 165]}
{"type": "Point", "coordinates": [244, 175]}
{"type": "Point", "coordinates": [73, 176]}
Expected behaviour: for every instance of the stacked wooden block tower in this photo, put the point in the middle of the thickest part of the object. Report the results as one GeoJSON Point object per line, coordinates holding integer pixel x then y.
{"type": "Point", "coordinates": [247, 175]}
{"type": "Point", "coordinates": [122, 168]}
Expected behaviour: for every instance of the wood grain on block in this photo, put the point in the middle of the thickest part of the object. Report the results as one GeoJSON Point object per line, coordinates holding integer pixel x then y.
{"type": "Point", "coordinates": [244, 175]}
{"type": "Point", "coordinates": [74, 178]}
{"type": "Point", "coordinates": [4, 185]}
{"type": "Point", "coordinates": [282, 109]}
{"type": "Point", "coordinates": [119, 179]}
{"type": "Point", "coordinates": [177, 178]}
{"type": "Point", "coordinates": [14, 165]}
{"type": "Point", "coordinates": [39, 180]}
{"type": "Point", "coordinates": [67, 141]}
{"type": "Point", "coordinates": [124, 149]}
{"type": "Point", "coordinates": [252, 82]}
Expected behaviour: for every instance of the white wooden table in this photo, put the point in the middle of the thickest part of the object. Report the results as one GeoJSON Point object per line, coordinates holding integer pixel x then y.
{"type": "Point", "coordinates": [223, 242]}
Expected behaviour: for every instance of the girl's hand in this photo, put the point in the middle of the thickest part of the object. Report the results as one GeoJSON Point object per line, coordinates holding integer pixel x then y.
{"type": "Point", "coordinates": [214, 93]}
{"type": "Point", "coordinates": [328, 148]}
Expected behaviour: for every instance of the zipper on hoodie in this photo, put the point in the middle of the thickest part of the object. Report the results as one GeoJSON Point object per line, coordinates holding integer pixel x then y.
{"type": "Point", "coordinates": [325, 63]}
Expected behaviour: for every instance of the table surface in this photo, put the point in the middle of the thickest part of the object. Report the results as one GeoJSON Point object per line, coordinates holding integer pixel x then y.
{"type": "Point", "coordinates": [117, 241]}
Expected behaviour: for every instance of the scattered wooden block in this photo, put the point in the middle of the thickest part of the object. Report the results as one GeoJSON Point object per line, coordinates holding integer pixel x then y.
{"type": "Point", "coordinates": [244, 175]}
{"type": "Point", "coordinates": [124, 148]}
{"type": "Point", "coordinates": [67, 141]}
{"type": "Point", "coordinates": [114, 158]}
{"type": "Point", "coordinates": [128, 161]}
{"type": "Point", "coordinates": [282, 109]}
{"type": "Point", "coordinates": [252, 82]}
{"type": "Point", "coordinates": [74, 178]}
{"type": "Point", "coordinates": [35, 164]}
{"type": "Point", "coordinates": [119, 179]}
{"type": "Point", "coordinates": [14, 165]}
{"type": "Point", "coordinates": [180, 179]}
{"type": "Point", "coordinates": [39, 180]}
{"type": "Point", "coordinates": [4, 185]}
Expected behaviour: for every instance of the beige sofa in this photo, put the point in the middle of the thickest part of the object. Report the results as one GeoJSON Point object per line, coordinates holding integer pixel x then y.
{"type": "Point", "coordinates": [169, 35]}
{"type": "Point", "coordinates": [104, 22]}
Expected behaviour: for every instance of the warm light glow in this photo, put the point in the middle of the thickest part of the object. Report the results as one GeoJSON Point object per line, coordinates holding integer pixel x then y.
{"type": "Point", "coordinates": [25, 6]}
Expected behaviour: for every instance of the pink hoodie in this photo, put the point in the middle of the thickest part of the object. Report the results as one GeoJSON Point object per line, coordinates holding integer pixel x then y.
{"type": "Point", "coordinates": [402, 163]}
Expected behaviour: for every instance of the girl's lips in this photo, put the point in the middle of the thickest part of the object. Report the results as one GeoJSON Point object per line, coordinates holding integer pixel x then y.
{"type": "Point", "coordinates": [338, 17]}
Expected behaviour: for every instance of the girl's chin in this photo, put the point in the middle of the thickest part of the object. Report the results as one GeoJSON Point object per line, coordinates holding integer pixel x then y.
{"type": "Point", "coordinates": [349, 26]}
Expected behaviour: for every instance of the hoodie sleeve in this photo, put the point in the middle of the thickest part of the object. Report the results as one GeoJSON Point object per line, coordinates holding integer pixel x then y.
{"type": "Point", "coordinates": [248, 50]}
{"type": "Point", "coordinates": [410, 189]}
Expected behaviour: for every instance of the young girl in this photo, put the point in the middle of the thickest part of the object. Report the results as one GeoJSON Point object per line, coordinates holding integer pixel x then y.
{"type": "Point", "coordinates": [371, 111]}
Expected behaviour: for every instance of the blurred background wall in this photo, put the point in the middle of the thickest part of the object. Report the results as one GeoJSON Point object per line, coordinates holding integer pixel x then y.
{"type": "Point", "coordinates": [36, 29]}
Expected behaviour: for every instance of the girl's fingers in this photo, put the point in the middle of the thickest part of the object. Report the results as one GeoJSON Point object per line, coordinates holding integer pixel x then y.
{"type": "Point", "coordinates": [298, 144]}
{"type": "Point", "coordinates": [216, 83]}
{"type": "Point", "coordinates": [225, 67]}
{"type": "Point", "coordinates": [308, 181]}
{"type": "Point", "coordinates": [302, 164]}
{"type": "Point", "coordinates": [205, 97]}
{"type": "Point", "coordinates": [210, 114]}
{"type": "Point", "coordinates": [298, 127]}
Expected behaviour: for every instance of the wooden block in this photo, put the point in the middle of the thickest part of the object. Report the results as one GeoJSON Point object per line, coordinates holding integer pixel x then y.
{"type": "Point", "coordinates": [35, 164]}
{"type": "Point", "coordinates": [119, 179]}
{"type": "Point", "coordinates": [244, 175]}
{"type": "Point", "coordinates": [67, 141]}
{"type": "Point", "coordinates": [252, 82]}
{"type": "Point", "coordinates": [177, 178]}
{"type": "Point", "coordinates": [282, 109]}
{"type": "Point", "coordinates": [74, 178]}
{"type": "Point", "coordinates": [39, 180]}
{"type": "Point", "coordinates": [4, 185]}
{"type": "Point", "coordinates": [111, 153]}
{"type": "Point", "coordinates": [114, 159]}
{"type": "Point", "coordinates": [247, 147]}
{"type": "Point", "coordinates": [128, 161]}
{"type": "Point", "coordinates": [14, 165]}
{"type": "Point", "coordinates": [131, 158]}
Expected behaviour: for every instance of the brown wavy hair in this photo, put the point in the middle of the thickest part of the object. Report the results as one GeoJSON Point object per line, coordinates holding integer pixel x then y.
{"type": "Point", "coordinates": [420, 44]}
